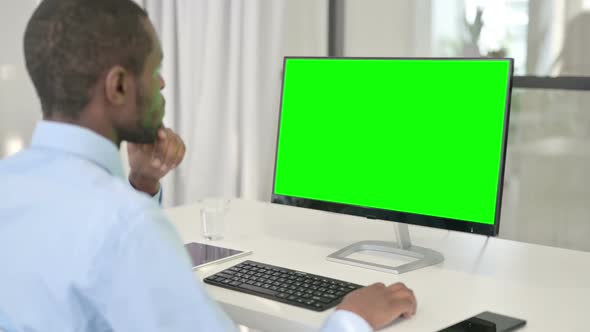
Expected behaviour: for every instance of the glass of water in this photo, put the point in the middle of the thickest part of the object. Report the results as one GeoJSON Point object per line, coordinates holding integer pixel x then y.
{"type": "Point", "coordinates": [213, 213]}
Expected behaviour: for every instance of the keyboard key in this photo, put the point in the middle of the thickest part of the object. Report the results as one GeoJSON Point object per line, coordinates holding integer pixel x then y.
{"type": "Point", "coordinates": [259, 290]}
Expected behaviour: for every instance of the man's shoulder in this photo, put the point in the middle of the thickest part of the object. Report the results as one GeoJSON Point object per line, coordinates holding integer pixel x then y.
{"type": "Point", "coordinates": [128, 203]}
{"type": "Point", "coordinates": [120, 192]}
{"type": "Point", "coordinates": [73, 187]}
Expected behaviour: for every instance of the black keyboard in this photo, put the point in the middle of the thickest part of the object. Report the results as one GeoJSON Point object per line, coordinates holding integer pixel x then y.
{"type": "Point", "coordinates": [297, 288]}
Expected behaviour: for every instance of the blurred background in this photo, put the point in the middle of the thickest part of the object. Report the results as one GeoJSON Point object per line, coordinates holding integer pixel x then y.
{"type": "Point", "coordinates": [223, 62]}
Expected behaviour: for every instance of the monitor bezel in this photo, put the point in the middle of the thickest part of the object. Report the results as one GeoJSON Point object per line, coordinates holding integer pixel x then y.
{"type": "Point", "coordinates": [399, 216]}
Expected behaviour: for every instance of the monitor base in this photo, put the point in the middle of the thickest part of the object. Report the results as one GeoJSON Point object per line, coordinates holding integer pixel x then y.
{"type": "Point", "coordinates": [425, 257]}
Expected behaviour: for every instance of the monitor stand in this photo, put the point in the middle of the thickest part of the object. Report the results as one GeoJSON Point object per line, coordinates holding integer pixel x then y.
{"type": "Point", "coordinates": [424, 257]}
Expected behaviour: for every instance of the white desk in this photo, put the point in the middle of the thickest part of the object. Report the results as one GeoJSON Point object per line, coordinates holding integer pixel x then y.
{"type": "Point", "coordinates": [549, 287]}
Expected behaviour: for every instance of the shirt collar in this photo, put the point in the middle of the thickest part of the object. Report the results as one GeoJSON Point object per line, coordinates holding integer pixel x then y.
{"type": "Point", "coordinates": [79, 141]}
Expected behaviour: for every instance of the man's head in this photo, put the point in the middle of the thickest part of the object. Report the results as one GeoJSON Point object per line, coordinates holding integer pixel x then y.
{"type": "Point", "coordinates": [96, 63]}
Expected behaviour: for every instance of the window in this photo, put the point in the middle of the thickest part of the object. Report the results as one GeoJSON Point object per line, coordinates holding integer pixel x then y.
{"type": "Point", "coordinates": [545, 193]}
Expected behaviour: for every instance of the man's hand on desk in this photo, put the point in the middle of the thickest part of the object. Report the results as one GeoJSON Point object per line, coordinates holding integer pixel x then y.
{"type": "Point", "coordinates": [151, 162]}
{"type": "Point", "coordinates": [380, 305]}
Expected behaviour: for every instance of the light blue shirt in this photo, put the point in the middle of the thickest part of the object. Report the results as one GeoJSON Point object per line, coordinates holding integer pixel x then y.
{"type": "Point", "coordinates": [80, 250]}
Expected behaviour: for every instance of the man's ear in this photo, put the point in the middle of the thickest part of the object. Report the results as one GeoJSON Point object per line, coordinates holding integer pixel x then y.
{"type": "Point", "coordinates": [118, 86]}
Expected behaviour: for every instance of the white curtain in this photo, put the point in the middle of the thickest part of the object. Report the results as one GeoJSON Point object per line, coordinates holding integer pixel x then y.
{"type": "Point", "coordinates": [222, 67]}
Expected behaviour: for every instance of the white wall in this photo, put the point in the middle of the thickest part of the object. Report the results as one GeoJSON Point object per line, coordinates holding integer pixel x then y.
{"type": "Point", "coordinates": [19, 106]}
{"type": "Point", "coordinates": [306, 28]}
{"type": "Point", "coordinates": [402, 27]}
{"type": "Point", "coordinates": [386, 28]}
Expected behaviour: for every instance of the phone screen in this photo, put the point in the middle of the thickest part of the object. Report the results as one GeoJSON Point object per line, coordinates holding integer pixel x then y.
{"type": "Point", "coordinates": [487, 322]}
{"type": "Point", "coordinates": [202, 254]}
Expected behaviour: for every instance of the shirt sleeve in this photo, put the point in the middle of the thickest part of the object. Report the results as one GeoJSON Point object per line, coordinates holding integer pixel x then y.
{"type": "Point", "coordinates": [345, 321]}
{"type": "Point", "coordinates": [147, 284]}
{"type": "Point", "coordinates": [156, 198]}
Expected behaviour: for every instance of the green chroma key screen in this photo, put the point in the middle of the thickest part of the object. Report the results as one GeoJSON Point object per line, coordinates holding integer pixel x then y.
{"type": "Point", "coordinates": [423, 136]}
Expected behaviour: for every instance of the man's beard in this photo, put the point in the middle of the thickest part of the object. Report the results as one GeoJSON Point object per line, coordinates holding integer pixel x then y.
{"type": "Point", "coordinates": [141, 133]}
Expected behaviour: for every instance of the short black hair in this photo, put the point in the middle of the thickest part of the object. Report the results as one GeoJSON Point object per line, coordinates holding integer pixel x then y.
{"type": "Point", "coordinates": [69, 44]}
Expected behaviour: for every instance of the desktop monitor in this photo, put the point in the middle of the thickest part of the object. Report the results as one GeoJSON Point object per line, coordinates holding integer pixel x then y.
{"type": "Point", "coordinates": [412, 140]}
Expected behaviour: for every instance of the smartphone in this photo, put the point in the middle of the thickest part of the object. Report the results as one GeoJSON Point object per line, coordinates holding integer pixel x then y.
{"type": "Point", "coordinates": [487, 322]}
{"type": "Point", "coordinates": [205, 254]}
